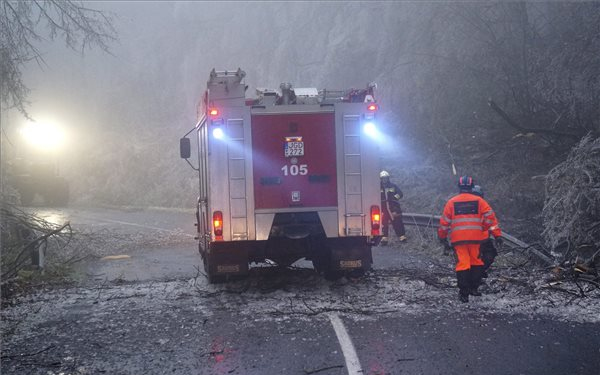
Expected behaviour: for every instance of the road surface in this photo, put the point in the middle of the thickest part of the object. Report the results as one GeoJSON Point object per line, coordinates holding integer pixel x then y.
{"type": "Point", "coordinates": [142, 307]}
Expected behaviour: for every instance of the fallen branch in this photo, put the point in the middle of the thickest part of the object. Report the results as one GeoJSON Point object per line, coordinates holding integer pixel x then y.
{"type": "Point", "coordinates": [332, 309]}
{"type": "Point", "coordinates": [593, 282]}
{"type": "Point", "coordinates": [322, 369]}
{"type": "Point", "coordinates": [524, 129]}
{"type": "Point", "coordinates": [552, 287]}
{"type": "Point", "coordinates": [27, 354]}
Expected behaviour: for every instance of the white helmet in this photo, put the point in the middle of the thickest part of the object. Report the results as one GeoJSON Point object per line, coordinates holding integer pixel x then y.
{"type": "Point", "coordinates": [383, 174]}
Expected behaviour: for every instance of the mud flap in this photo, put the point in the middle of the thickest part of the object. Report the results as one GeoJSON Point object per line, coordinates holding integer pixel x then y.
{"type": "Point", "coordinates": [350, 253]}
{"type": "Point", "coordinates": [226, 259]}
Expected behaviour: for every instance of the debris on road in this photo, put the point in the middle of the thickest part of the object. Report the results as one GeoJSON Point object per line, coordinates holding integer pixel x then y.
{"type": "Point", "coordinates": [115, 257]}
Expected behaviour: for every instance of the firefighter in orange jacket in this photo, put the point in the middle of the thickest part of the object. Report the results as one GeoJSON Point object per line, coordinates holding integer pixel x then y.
{"type": "Point", "coordinates": [467, 218]}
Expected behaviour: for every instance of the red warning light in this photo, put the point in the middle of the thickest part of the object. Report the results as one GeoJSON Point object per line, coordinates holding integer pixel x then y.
{"type": "Point", "coordinates": [375, 220]}
{"type": "Point", "coordinates": [213, 112]}
{"type": "Point", "coordinates": [218, 224]}
{"type": "Point", "coordinates": [372, 107]}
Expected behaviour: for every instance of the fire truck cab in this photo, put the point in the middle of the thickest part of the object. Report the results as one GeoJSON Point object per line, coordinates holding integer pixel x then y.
{"type": "Point", "coordinates": [289, 174]}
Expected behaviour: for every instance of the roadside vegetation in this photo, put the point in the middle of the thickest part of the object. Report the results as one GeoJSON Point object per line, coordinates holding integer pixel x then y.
{"type": "Point", "coordinates": [27, 241]}
{"type": "Point", "coordinates": [33, 250]}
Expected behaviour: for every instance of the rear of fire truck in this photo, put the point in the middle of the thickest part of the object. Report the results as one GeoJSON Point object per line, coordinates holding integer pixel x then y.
{"type": "Point", "coordinates": [290, 174]}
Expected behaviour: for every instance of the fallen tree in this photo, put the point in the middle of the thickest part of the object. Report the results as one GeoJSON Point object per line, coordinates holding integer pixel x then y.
{"type": "Point", "coordinates": [571, 213]}
{"type": "Point", "coordinates": [25, 239]}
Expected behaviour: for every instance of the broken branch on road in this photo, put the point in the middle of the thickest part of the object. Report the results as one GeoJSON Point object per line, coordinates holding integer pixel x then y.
{"type": "Point", "coordinates": [307, 372]}
{"type": "Point", "coordinates": [27, 354]}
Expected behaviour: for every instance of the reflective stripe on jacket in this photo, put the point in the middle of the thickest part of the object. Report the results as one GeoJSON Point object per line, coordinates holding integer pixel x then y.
{"type": "Point", "coordinates": [467, 218]}
{"type": "Point", "coordinates": [390, 195]}
{"type": "Point", "coordinates": [390, 192]}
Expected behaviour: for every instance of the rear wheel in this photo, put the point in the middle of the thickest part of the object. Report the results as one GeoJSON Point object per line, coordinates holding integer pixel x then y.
{"type": "Point", "coordinates": [333, 275]}
{"type": "Point", "coordinates": [216, 279]}
{"type": "Point", "coordinates": [356, 273]}
{"type": "Point", "coordinates": [323, 265]}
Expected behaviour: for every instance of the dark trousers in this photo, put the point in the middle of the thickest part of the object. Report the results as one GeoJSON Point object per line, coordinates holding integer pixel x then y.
{"type": "Point", "coordinates": [488, 253]}
{"type": "Point", "coordinates": [469, 280]}
{"type": "Point", "coordinates": [395, 219]}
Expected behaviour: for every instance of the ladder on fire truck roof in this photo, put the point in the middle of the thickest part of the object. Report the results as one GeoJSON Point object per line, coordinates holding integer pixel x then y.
{"type": "Point", "coordinates": [226, 76]}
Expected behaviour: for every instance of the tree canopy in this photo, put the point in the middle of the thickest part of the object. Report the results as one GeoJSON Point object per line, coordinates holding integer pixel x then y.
{"type": "Point", "coordinates": [23, 24]}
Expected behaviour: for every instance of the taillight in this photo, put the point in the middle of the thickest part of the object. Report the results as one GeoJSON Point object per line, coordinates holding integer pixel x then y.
{"type": "Point", "coordinates": [372, 107]}
{"type": "Point", "coordinates": [213, 112]}
{"type": "Point", "coordinates": [375, 220]}
{"type": "Point", "coordinates": [218, 224]}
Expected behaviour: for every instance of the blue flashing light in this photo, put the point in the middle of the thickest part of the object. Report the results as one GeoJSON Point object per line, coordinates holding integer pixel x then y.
{"type": "Point", "coordinates": [218, 133]}
{"type": "Point", "coordinates": [370, 129]}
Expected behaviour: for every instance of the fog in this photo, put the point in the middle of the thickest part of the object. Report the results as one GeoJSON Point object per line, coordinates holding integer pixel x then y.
{"type": "Point", "coordinates": [124, 112]}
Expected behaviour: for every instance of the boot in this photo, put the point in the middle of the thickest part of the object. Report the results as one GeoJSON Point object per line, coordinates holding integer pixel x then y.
{"type": "Point", "coordinates": [462, 278]}
{"type": "Point", "coordinates": [475, 276]}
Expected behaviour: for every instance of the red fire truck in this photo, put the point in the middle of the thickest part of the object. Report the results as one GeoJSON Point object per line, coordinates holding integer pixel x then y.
{"type": "Point", "coordinates": [290, 174]}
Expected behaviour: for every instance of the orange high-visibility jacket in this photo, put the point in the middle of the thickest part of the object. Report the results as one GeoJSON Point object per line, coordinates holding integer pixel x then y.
{"type": "Point", "coordinates": [467, 218]}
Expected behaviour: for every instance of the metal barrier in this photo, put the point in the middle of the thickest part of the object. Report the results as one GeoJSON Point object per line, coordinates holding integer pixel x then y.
{"type": "Point", "coordinates": [433, 221]}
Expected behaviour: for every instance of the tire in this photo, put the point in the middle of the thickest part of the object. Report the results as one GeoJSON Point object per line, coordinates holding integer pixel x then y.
{"type": "Point", "coordinates": [322, 264]}
{"type": "Point", "coordinates": [333, 275]}
{"type": "Point", "coordinates": [216, 279]}
{"type": "Point", "coordinates": [356, 273]}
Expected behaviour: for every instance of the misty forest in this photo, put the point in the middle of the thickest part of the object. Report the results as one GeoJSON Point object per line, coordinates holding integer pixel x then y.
{"type": "Point", "coordinates": [507, 92]}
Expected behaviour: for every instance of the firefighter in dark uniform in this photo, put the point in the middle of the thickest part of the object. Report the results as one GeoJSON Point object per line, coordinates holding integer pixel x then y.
{"type": "Point", "coordinates": [466, 222]}
{"type": "Point", "coordinates": [390, 208]}
{"type": "Point", "coordinates": [486, 249]}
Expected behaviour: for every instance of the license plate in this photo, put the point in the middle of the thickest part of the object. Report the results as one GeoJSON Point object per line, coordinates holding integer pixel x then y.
{"type": "Point", "coordinates": [294, 149]}
{"type": "Point", "coordinates": [228, 268]}
{"type": "Point", "coordinates": [350, 263]}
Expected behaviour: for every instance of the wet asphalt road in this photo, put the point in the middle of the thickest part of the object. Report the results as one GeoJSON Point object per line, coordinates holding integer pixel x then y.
{"type": "Point", "coordinates": [152, 313]}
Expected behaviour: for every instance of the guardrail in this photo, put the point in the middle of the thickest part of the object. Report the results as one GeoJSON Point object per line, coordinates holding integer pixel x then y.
{"type": "Point", "coordinates": [432, 221]}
